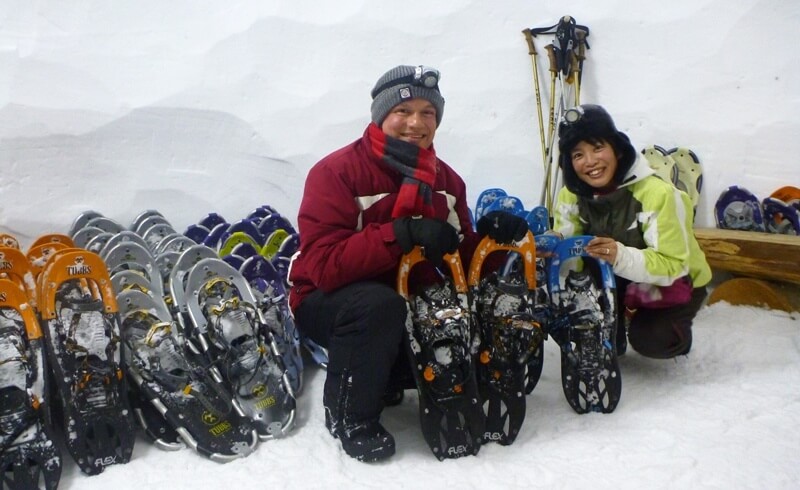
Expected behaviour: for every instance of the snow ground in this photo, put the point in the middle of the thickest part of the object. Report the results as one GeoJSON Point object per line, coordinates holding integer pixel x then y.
{"type": "Point", "coordinates": [726, 416]}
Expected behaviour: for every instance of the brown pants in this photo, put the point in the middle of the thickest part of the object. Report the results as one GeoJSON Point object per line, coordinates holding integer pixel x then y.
{"type": "Point", "coordinates": [660, 333]}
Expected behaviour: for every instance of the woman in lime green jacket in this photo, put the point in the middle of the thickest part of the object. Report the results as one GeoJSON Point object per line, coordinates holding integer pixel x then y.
{"type": "Point", "coordinates": [642, 227]}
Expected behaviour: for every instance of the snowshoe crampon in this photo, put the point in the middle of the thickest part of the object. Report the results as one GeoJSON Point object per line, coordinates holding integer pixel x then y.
{"type": "Point", "coordinates": [181, 397]}
{"type": "Point", "coordinates": [504, 305]}
{"type": "Point", "coordinates": [441, 345]}
{"type": "Point", "coordinates": [584, 326]}
{"type": "Point", "coordinates": [237, 341]}
{"type": "Point", "coordinates": [81, 327]}
{"type": "Point", "coordinates": [28, 456]}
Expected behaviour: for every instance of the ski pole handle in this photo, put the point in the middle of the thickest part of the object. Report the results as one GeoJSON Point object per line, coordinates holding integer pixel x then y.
{"type": "Point", "coordinates": [529, 38]}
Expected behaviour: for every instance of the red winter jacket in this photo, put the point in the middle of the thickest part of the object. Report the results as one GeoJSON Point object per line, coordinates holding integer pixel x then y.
{"type": "Point", "coordinates": [345, 221]}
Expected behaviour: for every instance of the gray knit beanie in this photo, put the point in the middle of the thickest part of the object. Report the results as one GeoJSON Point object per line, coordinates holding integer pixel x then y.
{"type": "Point", "coordinates": [403, 83]}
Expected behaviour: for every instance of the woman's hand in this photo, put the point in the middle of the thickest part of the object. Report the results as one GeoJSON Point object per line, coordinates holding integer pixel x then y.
{"type": "Point", "coordinates": [602, 248]}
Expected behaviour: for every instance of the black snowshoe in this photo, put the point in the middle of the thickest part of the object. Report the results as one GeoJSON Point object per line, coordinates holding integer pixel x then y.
{"type": "Point", "coordinates": [442, 346]}
{"type": "Point", "coordinates": [81, 327]}
{"type": "Point", "coordinates": [239, 346]}
{"type": "Point", "coordinates": [584, 326]}
{"type": "Point", "coordinates": [28, 456]}
{"type": "Point", "coordinates": [505, 304]}
{"type": "Point", "coordinates": [183, 404]}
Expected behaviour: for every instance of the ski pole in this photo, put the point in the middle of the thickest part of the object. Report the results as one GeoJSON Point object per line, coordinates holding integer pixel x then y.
{"type": "Point", "coordinates": [534, 60]}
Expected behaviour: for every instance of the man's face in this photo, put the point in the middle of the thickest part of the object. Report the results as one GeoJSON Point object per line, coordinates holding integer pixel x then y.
{"type": "Point", "coordinates": [413, 121]}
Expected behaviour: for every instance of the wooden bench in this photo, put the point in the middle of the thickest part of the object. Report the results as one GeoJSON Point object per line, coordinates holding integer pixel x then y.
{"type": "Point", "coordinates": [768, 263]}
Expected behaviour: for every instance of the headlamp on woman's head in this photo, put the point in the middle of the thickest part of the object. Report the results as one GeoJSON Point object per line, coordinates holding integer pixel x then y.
{"type": "Point", "coordinates": [573, 114]}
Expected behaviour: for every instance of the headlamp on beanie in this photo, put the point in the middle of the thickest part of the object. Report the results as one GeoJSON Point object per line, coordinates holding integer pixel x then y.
{"type": "Point", "coordinates": [403, 83]}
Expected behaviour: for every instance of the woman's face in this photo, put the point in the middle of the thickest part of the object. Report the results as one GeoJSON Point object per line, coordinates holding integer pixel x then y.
{"type": "Point", "coordinates": [594, 163]}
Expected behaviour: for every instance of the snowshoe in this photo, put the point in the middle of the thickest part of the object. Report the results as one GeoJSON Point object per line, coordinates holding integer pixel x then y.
{"type": "Point", "coordinates": [106, 224]}
{"type": "Point", "coordinates": [143, 216]}
{"type": "Point", "coordinates": [211, 221]}
{"type": "Point", "coordinates": [148, 222]}
{"type": "Point", "coordinates": [196, 233]}
{"type": "Point", "coordinates": [273, 243]}
{"type": "Point", "coordinates": [485, 199]}
{"type": "Point", "coordinates": [509, 204]}
{"type": "Point", "coordinates": [98, 242]}
{"type": "Point", "coordinates": [238, 238]}
{"type": "Point", "coordinates": [234, 336]}
{"type": "Point", "coordinates": [662, 163]}
{"type": "Point", "coordinates": [81, 221]}
{"type": "Point", "coordinates": [183, 405]}
{"type": "Point", "coordinates": [214, 236]}
{"type": "Point", "coordinates": [267, 284]}
{"type": "Point", "coordinates": [174, 242]}
{"type": "Point", "coordinates": [442, 345]}
{"type": "Point", "coordinates": [585, 328]}
{"type": "Point", "coordinates": [538, 220]}
{"type": "Point", "coordinates": [40, 254]}
{"type": "Point", "coordinates": [123, 236]}
{"type": "Point", "coordinates": [690, 173]}
{"type": "Point", "coordinates": [132, 256]}
{"type": "Point", "coordinates": [82, 237]}
{"type": "Point", "coordinates": [510, 334]}
{"type": "Point", "coordinates": [28, 456]}
{"type": "Point", "coordinates": [781, 217]}
{"type": "Point", "coordinates": [177, 290]}
{"type": "Point", "coordinates": [156, 233]}
{"type": "Point", "coordinates": [273, 223]}
{"type": "Point", "coordinates": [81, 326]}
{"type": "Point", "coordinates": [9, 241]}
{"type": "Point", "coordinates": [53, 238]}
{"type": "Point", "coordinates": [15, 266]}
{"type": "Point", "coordinates": [739, 209]}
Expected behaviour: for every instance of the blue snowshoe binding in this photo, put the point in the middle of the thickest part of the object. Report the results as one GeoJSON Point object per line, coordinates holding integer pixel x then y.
{"type": "Point", "coordinates": [585, 327]}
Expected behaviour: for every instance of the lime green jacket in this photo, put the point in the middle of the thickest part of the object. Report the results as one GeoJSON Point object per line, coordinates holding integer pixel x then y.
{"type": "Point", "coordinates": [650, 219]}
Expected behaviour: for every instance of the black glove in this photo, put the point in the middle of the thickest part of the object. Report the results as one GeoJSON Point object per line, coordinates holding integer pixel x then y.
{"type": "Point", "coordinates": [436, 237]}
{"type": "Point", "coordinates": [502, 227]}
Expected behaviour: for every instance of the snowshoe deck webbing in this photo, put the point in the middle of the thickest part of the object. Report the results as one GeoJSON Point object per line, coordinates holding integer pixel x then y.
{"type": "Point", "coordinates": [28, 455]}
{"type": "Point", "coordinates": [81, 327]}
{"type": "Point", "coordinates": [584, 326]}
{"type": "Point", "coordinates": [441, 343]}
{"type": "Point", "coordinates": [182, 398]}
{"type": "Point", "coordinates": [236, 340]}
{"type": "Point", "coordinates": [267, 284]}
{"type": "Point", "coordinates": [510, 335]}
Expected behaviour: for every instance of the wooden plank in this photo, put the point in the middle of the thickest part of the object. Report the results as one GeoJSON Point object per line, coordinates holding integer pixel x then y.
{"type": "Point", "coordinates": [752, 254]}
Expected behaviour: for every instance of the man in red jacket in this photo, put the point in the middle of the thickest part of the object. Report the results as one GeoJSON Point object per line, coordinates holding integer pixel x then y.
{"type": "Point", "coordinates": [363, 207]}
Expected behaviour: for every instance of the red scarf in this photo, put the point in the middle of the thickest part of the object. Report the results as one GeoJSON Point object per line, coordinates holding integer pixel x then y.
{"type": "Point", "coordinates": [416, 164]}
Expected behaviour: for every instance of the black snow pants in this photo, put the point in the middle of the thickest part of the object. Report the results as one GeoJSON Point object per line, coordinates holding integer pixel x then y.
{"type": "Point", "coordinates": [660, 333]}
{"type": "Point", "coordinates": [363, 326]}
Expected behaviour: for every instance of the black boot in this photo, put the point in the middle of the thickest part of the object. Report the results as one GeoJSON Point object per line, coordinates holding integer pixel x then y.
{"type": "Point", "coordinates": [364, 439]}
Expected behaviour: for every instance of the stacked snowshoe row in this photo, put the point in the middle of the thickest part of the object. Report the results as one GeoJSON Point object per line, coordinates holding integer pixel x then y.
{"type": "Point", "coordinates": [739, 209]}
{"type": "Point", "coordinates": [29, 457]}
{"type": "Point", "coordinates": [72, 358]}
{"type": "Point", "coordinates": [205, 368]}
{"type": "Point", "coordinates": [260, 247]}
{"type": "Point", "coordinates": [476, 344]}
